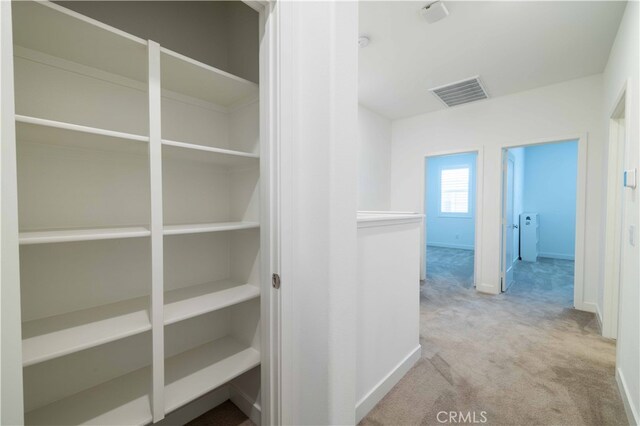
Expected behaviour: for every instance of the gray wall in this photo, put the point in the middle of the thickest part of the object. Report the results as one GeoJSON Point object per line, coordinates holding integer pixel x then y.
{"type": "Point", "coordinates": [223, 34]}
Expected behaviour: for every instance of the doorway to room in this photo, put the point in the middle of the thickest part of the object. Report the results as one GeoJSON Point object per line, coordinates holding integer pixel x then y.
{"type": "Point", "coordinates": [450, 218]}
{"type": "Point", "coordinates": [539, 196]}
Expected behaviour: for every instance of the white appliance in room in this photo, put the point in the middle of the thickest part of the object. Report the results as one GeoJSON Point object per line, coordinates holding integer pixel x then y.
{"type": "Point", "coordinates": [529, 236]}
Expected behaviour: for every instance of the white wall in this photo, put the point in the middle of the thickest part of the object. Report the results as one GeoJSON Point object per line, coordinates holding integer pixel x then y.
{"type": "Point", "coordinates": [229, 29]}
{"type": "Point", "coordinates": [623, 65]}
{"type": "Point", "coordinates": [318, 74]}
{"type": "Point", "coordinates": [243, 48]}
{"type": "Point", "coordinates": [553, 112]}
{"type": "Point", "coordinates": [374, 160]}
{"type": "Point", "coordinates": [388, 334]}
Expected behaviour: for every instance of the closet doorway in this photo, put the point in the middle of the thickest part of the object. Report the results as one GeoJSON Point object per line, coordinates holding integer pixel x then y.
{"type": "Point", "coordinates": [144, 223]}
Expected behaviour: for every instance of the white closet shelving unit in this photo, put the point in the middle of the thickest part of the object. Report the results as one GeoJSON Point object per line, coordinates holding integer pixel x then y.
{"type": "Point", "coordinates": [139, 215]}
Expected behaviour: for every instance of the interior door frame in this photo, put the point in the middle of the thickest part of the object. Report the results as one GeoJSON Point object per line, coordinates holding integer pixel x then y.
{"type": "Point", "coordinates": [477, 260]}
{"type": "Point", "coordinates": [270, 300]}
{"type": "Point", "coordinates": [613, 224]}
{"type": "Point", "coordinates": [581, 207]}
{"type": "Point", "coordinates": [506, 156]}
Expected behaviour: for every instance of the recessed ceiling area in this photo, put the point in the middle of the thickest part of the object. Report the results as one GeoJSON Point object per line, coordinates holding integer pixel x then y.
{"type": "Point", "coordinates": [512, 46]}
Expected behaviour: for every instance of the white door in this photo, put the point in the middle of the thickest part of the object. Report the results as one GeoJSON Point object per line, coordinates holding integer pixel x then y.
{"type": "Point", "coordinates": [508, 226]}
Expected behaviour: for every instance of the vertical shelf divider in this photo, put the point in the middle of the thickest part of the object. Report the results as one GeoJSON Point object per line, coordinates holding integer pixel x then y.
{"type": "Point", "coordinates": [156, 225]}
{"type": "Point", "coordinates": [10, 336]}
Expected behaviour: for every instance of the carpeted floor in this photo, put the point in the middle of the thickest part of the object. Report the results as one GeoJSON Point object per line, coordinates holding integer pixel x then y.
{"type": "Point", "coordinates": [225, 414]}
{"type": "Point", "coordinates": [450, 266]}
{"type": "Point", "coordinates": [545, 281]}
{"type": "Point", "coordinates": [524, 357]}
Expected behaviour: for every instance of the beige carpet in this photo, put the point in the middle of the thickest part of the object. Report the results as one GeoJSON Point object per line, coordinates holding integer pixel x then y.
{"type": "Point", "coordinates": [524, 357]}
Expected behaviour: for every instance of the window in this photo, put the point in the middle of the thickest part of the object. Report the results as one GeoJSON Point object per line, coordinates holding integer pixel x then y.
{"type": "Point", "coordinates": [454, 191]}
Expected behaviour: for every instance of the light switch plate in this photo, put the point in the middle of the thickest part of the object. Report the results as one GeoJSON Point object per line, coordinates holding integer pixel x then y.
{"type": "Point", "coordinates": [630, 178]}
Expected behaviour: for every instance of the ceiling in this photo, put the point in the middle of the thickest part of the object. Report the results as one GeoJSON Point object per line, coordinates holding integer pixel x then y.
{"type": "Point", "coordinates": [512, 46]}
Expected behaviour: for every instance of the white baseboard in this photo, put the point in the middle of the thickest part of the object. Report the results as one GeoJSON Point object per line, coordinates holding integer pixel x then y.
{"type": "Point", "coordinates": [557, 256]}
{"type": "Point", "coordinates": [632, 413]}
{"type": "Point", "coordinates": [488, 288]}
{"type": "Point", "coordinates": [447, 245]}
{"type": "Point", "coordinates": [586, 306]}
{"type": "Point", "coordinates": [599, 318]}
{"type": "Point", "coordinates": [196, 408]}
{"type": "Point", "coordinates": [249, 407]}
{"type": "Point", "coordinates": [378, 392]}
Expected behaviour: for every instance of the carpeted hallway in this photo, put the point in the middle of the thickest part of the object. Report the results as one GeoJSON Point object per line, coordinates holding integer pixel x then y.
{"type": "Point", "coordinates": [524, 357]}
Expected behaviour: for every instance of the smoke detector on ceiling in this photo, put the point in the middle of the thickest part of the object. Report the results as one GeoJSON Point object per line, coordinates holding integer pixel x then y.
{"type": "Point", "coordinates": [461, 92]}
{"type": "Point", "coordinates": [434, 12]}
{"type": "Point", "coordinates": [363, 41]}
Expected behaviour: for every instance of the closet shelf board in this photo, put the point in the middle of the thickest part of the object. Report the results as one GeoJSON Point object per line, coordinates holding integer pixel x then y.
{"type": "Point", "coordinates": [78, 39]}
{"type": "Point", "coordinates": [125, 399]}
{"type": "Point", "coordinates": [81, 234]}
{"type": "Point", "coordinates": [192, 78]}
{"type": "Point", "coordinates": [196, 300]}
{"type": "Point", "coordinates": [52, 337]}
{"type": "Point", "coordinates": [193, 373]}
{"type": "Point", "coordinates": [43, 131]}
{"type": "Point", "coordinates": [198, 228]}
{"type": "Point", "coordinates": [121, 401]}
{"type": "Point", "coordinates": [48, 338]}
{"type": "Point", "coordinates": [207, 154]}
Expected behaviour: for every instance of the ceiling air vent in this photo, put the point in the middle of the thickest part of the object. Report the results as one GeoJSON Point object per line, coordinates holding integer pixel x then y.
{"type": "Point", "coordinates": [460, 92]}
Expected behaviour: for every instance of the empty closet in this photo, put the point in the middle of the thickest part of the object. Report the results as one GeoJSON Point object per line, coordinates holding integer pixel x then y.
{"type": "Point", "coordinates": [140, 208]}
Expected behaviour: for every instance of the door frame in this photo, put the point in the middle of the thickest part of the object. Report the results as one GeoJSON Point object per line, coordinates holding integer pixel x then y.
{"type": "Point", "coordinates": [269, 410]}
{"type": "Point", "coordinates": [477, 255]}
{"type": "Point", "coordinates": [506, 156]}
{"type": "Point", "coordinates": [581, 208]}
{"type": "Point", "coordinates": [613, 222]}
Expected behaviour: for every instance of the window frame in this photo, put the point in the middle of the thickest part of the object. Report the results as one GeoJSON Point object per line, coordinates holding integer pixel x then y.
{"type": "Point", "coordinates": [470, 181]}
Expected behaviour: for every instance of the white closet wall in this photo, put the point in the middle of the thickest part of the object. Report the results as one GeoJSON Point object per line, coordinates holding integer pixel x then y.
{"type": "Point", "coordinates": [188, 27]}
{"type": "Point", "coordinates": [86, 191]}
